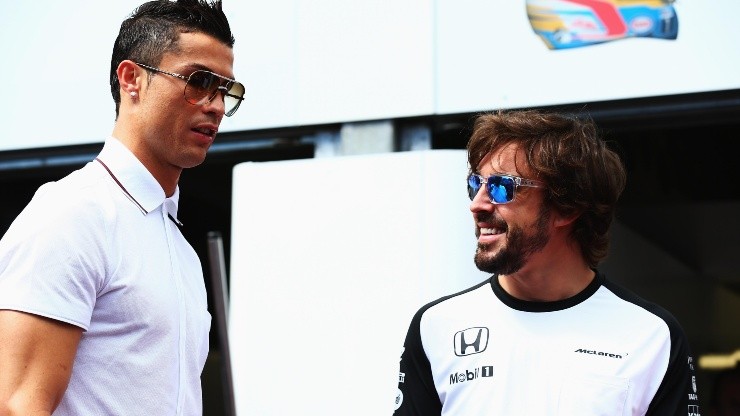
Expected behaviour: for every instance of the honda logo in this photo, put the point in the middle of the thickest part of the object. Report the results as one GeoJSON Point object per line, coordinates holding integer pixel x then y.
{"type": "Point", "coordinates": [471, 341]}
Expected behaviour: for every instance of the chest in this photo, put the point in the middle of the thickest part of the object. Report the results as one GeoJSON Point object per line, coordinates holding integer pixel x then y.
{"type": "Point", "coordinates": [154, 282]}
{"type": "Point", "coordinates": [498, 361]}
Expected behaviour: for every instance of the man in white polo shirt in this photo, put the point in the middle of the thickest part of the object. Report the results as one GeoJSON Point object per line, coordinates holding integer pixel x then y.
{"type": "Point", "coordinates": [102, 302]}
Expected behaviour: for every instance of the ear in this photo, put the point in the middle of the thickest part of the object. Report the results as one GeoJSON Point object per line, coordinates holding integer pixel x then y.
{"type": "Point", "coordinates": [129, 77]}
{"type": "Point", "coordinates": [563, 220]}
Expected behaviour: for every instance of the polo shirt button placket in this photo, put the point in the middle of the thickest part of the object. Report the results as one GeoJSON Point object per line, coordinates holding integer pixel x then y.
{"type": "Point", "coordinates": [169, 216]}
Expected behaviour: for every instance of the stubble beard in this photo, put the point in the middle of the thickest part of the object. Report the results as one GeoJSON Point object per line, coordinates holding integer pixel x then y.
{"type": "Point", "coordinates": [519, 247]}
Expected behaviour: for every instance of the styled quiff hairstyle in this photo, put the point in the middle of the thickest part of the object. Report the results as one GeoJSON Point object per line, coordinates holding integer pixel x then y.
{"type": "Point", "coordinates": [154, 28]}
{"type": "Point", "coordinates": [582, 175]}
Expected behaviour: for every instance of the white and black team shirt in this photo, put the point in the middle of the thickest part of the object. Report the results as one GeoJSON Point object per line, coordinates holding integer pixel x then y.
{"type": "Point", "coordinates": [604, 351]}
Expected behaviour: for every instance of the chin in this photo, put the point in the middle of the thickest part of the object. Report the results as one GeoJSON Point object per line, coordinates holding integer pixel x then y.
{"type": "Point", "coordinates": [194, 159]}
{"type": "Point", "coordinates": [503, 262]}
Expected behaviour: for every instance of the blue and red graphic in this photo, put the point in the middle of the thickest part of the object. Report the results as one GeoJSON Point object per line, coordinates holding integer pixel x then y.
{"type": "Point", "coordinates": [563, 24]}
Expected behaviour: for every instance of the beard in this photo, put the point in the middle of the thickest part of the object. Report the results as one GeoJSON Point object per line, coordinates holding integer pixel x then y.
{"type": "Point", "coordinates": [520, 244]}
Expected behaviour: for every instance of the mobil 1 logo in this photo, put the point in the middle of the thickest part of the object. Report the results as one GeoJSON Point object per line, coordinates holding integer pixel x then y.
{"type": "Point", "coordinates": [472, 374]}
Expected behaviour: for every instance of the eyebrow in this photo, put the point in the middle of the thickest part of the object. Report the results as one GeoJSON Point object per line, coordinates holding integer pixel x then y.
{"type": "Point", "coordinates": [196, 66]}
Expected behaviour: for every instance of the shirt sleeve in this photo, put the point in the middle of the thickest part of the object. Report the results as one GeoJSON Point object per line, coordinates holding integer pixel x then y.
{"type": "Point", "coordinates": [416, 395]}
{"type": "Point", "coordinates": [677, 393]}
{"type": "Point", "coordinates": [51, 259]}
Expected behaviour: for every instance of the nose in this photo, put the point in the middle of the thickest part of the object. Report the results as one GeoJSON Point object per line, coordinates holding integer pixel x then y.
{"type": "Point", "coordinates": [216, 105]}
{"type": "Point", "coordinates": [481, 202]}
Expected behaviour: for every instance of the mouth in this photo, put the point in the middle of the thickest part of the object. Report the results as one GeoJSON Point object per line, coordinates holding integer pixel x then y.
{"type": "Point", "coordinates": [491, 231]}
{"type": "Point", "coordinates": [490, 228]}
{"type": "Point", "coordinates": [205, 131]}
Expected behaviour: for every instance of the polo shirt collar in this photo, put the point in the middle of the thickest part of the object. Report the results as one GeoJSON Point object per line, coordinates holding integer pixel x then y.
{"type": "Point", "coordinates": [135, 178]}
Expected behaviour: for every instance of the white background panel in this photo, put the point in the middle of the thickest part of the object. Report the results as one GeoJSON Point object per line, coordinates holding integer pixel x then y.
{"type": "Point", "coordinates": [302, 62]}
{"type": "Point", "coordinates": [330, 61]}
{"type": "Point", "coordinates": [487, 57]}
{"type": "Point", "coordinates": [330, 259]}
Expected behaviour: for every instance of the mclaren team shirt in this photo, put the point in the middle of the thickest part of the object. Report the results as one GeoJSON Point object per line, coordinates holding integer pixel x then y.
{"type": "Point", "coordinates": [604, 351]}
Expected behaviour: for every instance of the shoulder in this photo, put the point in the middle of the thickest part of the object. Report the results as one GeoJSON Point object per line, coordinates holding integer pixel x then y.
{"type": "Point", "coordinates": [72, 210]}
{"type": "Point", "coordinates": [441, 304]}
{"type": "Point", "coordinates": [675, 379]}
{"type": "Point", "coordinates": [430, 319]}
{"type": "Point", "coordinates": [82, 195]}
{"type": "Point", "coordinates": [645, 307]}
{"type": "Point", "coordinates": [54, 257]}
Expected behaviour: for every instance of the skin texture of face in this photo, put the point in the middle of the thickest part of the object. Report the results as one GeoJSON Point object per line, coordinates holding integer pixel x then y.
{"type": "Point", "coordinates": [508, 234]}
{"type": "Point", "coordinates": [168, 133]}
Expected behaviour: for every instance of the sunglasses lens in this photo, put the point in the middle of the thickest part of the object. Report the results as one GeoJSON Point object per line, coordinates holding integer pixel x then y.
{"type": "Point", "coordinates": [233, 98]}
{"type": "Point", "coordinates": [201, 87]}
{"type": "Point", "coordinates": [500, 189]}
{"type": "Point", "coordinates": [473, 186]}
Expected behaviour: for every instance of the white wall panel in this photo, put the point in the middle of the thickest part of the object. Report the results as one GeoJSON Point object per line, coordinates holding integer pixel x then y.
{"type": "Point", "coordinates": [487, 57]}
{"type": "Point", "coordinates": [332, 61]}
{"type": "Point", "coordinates": [330, 259]}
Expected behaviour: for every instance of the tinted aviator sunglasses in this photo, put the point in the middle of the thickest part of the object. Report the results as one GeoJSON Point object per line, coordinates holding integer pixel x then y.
{"type": "Point", "coordinates": [201, 87]}
{"type": "Point", "coordinates": [499, 188]}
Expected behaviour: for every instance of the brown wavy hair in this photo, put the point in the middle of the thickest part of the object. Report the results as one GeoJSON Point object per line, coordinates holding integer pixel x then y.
{"type": "Point", "coordinates": [582, 174]}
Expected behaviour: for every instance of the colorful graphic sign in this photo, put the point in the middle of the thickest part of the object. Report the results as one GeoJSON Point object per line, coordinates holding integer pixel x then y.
{"type": "Point", "coordinates": [563, 24]}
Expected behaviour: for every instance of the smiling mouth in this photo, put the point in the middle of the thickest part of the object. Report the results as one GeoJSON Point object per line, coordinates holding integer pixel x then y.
{"type": "Point", "coordinates": [491, 231]}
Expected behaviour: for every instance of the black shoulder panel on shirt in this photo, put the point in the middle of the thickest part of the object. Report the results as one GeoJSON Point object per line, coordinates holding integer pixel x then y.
{"type": "Point", "coordinates": [424, 308]}
{"type": "Point", "coordinates": [417, 394]}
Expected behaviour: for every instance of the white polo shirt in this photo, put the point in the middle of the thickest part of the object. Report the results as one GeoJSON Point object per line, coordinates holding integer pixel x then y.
{"type": "Point", "coordinates": [87, 253]}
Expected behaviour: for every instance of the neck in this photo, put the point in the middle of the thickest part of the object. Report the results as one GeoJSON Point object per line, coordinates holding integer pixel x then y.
{"type": "Point", "coordinates": [555, 273]}
{"type": "Point", "coordinates": [166, 175]}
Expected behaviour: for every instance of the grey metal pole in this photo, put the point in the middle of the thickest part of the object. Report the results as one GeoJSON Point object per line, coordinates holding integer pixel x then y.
{"type": "Point", "coordinates": [221, 309]}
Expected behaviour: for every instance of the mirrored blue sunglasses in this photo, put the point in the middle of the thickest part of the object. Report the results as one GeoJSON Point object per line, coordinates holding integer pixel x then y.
{"type": "Point", "coordinates": [499, 188]}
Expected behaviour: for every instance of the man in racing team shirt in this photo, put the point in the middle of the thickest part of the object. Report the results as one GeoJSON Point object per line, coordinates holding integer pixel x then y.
{"type": "Point", "coordinates": [548, 333]}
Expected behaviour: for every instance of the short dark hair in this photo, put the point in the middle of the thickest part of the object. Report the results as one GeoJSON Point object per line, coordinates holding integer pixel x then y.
{"type": "Point", "coordinates": [154, 29]}
{"type": "Point", "coordinates": [582, 174]}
